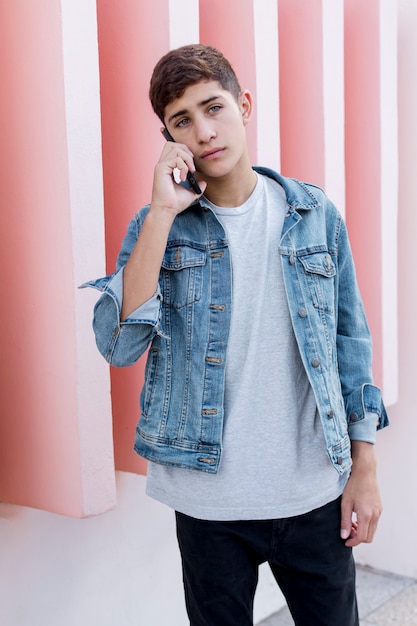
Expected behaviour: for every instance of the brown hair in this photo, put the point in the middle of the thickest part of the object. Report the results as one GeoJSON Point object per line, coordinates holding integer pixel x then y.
{"type": "Point", "coordinates": [185, 66]}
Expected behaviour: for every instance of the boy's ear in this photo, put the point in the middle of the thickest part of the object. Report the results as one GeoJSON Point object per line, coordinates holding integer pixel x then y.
{"type": "Point", "coordinates": [246, 105]}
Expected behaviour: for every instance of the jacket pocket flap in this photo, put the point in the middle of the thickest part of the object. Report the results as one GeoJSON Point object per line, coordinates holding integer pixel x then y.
{"type": "Point", "coordinates": [182, 256]}
{"type": "Point", "coordinates": [319, 263]}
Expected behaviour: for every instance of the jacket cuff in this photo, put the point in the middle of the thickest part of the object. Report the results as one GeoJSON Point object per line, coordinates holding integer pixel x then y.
{"type": "Point", "coordinates": [365, 413]}
{"type": "Point", "coordinates": [112, 285]}
{"type": "Point", "coordinates": [364, 430]}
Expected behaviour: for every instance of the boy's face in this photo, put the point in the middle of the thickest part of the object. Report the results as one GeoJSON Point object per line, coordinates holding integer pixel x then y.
{"type": "Point", "coordinates": [209, 120]}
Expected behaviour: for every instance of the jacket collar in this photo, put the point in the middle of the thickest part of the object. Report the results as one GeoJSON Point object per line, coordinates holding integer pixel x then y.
{"type": "Point", "coordinates": [299, 194]}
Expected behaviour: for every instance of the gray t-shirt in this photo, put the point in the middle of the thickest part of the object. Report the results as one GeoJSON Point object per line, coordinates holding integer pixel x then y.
{"type": "Point", "coordinates": [274, 460]}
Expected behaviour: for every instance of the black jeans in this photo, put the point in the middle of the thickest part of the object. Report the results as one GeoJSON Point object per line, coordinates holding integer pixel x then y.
{"type": "Point", "coordinates": [311, 564]}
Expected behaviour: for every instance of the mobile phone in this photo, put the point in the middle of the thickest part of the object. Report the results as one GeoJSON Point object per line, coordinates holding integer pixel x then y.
{"type": "Point", "coordinates": [190, 176]}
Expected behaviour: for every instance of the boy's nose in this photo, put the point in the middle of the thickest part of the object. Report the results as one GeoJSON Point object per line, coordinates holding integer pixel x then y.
{"type": "Point", "coordinates": [204, 132]}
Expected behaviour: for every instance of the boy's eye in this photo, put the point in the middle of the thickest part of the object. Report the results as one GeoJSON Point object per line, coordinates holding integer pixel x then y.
{"type": "Point", "coordinates": [214, 108]}
{"type": "Point", "coordinates": [182, 123]}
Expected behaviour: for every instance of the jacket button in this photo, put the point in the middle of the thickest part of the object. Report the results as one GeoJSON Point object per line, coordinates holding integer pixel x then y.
{"type": "Point", "coordinates": [330, 414]}
{"type": "Point", "coordinates": [354, 417]}
{"type": "Point", "coordinates": [292, 259]}
{"type": "Point", "coordinates": [302, 312]}
{"type": "Point", "coordinates": [339, 460]}
{"type": "Point", "coordinates": [209, 460]}
{"type": "Point", "coordinates": [315, 362]}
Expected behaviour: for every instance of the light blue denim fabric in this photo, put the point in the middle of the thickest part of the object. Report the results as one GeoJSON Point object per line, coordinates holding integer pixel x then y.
{"type": "Point", "coordinates": [186, 327]}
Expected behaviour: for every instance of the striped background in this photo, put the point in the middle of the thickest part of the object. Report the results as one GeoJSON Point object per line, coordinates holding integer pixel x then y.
{"type": "Point", "coordinates": [78, 146]}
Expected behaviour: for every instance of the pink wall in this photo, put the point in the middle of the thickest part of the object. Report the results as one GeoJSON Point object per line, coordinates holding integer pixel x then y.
{"type": "Point", "coordinates": [38, 438]}
{"type": "Point", "coordinates": [55, 446]}
{"type": "Point", "coordinates": [312, 93]}
{"type": "Point", "coordinates": [38, 375]}
{"type": "Point", "coordinates": [50, 451]}
{"type": "Point", "coordinates": [372, 172]}
{"type": "Point", "coordinates": [363, 144]}
{"type": "Point", "coordinates": [131, 146]}
{"type": "Point", "coordinates": [301, 89]}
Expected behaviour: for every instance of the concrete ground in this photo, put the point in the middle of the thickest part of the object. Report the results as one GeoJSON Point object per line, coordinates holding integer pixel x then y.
{"type": "Point", "coordinates": [384, 600]}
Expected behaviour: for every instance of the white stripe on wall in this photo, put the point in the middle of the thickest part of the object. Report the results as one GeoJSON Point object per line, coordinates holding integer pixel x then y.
{"type": "Point", "coordinates": [183, 22]}
{"type": "Point", "coordinates": [333, 102]}
{"type": "Point", "coordinates": [82, 105]}
{"type": "Point", "coordinates": [389, 197]}
{"type": "Point", "coordinates": [267, 82]}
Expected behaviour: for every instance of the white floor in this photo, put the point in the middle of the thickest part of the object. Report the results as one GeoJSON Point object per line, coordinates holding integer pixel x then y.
{"type": "Point", "coordinates": [384, 600]}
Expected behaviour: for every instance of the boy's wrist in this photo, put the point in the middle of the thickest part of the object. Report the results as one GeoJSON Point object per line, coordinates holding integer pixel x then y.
{"type": "Point", "coordinates": [363, 455]}
{"type": "Point", "coordinates": [160, 216]}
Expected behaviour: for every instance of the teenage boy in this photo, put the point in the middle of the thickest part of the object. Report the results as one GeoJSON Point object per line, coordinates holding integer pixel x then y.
{"type": "Point", "coordinates": [258, 412]}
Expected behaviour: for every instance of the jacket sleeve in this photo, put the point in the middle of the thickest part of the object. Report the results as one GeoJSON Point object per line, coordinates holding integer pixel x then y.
{"type": "Point", "coordinates": [122, 343]}
{"type": "Point", "coordinates": [363, 400]}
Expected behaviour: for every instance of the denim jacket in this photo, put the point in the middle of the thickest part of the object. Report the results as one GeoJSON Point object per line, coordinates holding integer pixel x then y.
{"type": "Point", "coordinates": [185, 325]}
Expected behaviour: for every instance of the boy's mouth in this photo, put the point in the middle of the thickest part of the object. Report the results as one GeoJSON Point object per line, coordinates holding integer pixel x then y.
{"type": "Point", "coordinates": [211, 154]}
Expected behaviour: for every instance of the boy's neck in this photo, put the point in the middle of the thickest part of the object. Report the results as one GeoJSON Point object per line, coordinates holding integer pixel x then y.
{"type": "Point", "coordinates": [231, 191]}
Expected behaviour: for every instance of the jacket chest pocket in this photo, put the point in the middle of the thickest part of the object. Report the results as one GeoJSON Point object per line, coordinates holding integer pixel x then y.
{"type": "Point", "coordinates": [319, 272]}
{"type": "Point", "coordinates": [182, 275]}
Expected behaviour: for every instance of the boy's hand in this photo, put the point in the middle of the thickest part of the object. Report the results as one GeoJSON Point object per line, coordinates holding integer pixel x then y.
{"type": "Point", "coordinates": [361, 497]}
{"type": "Point", "coordinates": [167, 195]}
